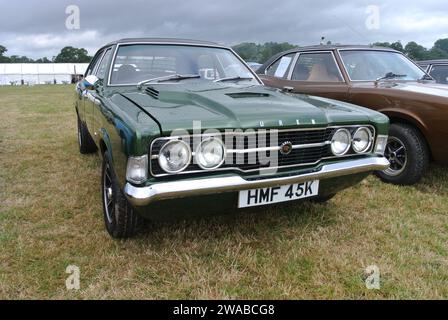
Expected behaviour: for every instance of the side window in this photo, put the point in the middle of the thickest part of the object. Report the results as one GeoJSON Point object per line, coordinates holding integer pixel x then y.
{"type": "Point", "coordinates": [280, 68]}
{"type": "Point", "coordinates": [440, 73]}
{"type": "Point", "coordinates": [319, 67]}
{"type": "Point", "coordinates": [101, 72]}
{"type": "Point", "coordinates": [94, 63]}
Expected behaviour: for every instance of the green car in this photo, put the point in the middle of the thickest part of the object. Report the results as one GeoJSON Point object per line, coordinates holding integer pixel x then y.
{"type": "Point", "coordinates": [186, 127]}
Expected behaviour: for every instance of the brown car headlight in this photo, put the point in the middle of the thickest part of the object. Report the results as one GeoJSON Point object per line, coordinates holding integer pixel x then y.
{"type": "Point", "coordinates": [341, 141]}
{"type": "Point", "coordinates": [175, 156]}
{"type": "Point", "coordinates": [362, 140]}
{"type": "Point", "coordinates": [210, 154]}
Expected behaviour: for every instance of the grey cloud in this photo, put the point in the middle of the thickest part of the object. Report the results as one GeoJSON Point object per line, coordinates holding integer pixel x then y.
{"type": "Point", "coordinates": [38, 28]}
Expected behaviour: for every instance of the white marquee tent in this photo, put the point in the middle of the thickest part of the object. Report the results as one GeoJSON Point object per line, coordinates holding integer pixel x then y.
{"type": "Point", "coordinates": [40, 73]}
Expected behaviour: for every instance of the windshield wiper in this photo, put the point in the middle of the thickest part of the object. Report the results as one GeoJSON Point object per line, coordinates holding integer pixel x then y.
{"type": "Point", "coordinates": [391, 75]}
{"type": "Point", "coordinates": [169, 78]}
{"type": "Point", "coordinates": [238, 78]}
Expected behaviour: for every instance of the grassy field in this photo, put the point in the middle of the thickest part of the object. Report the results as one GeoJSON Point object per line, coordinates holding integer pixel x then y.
{"type": "Point", "coordinates": [51, 217]}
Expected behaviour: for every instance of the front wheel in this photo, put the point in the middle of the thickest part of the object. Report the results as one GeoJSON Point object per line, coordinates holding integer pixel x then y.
{"type": "Point", "coordinates": [407, 153]}
{"type": "Point", "coordinates": [120, 218]}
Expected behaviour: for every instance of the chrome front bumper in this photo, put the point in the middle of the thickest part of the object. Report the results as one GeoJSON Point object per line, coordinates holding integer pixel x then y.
{"type": "Point", "coordinates": [141, 196]}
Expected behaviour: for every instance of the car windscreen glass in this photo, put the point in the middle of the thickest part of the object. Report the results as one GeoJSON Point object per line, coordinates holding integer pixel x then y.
{"type": "Point", "coordinates": [140, 62]}
{"type": "Point", "coordinates": [370, 65]}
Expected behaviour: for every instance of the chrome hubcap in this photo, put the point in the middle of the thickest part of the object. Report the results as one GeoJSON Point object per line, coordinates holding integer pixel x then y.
{"type": "Point", "coordinates": [396, 153]}
{"type": "Point", "coordinates": [108, 195]}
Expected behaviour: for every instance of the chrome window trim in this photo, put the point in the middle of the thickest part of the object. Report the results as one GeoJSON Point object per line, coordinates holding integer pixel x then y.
{"type": "Point", "coordinates": [373, 49]}
{"type": "Point", "coordinates": [114, 57]}
{"type": "Point", "coordinates": [342, 81]}
{"type": "Point", "coordinates": [369, 151]}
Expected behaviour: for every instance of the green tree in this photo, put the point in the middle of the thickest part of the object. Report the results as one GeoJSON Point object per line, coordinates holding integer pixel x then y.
{"type": "Point", "coordinates": [394, 45]}
{"type": "Point", "coordinates": [20, 59]}
{"type": "Point", "coordinates": [249, 51]}
{"type": "Point", "coordinates": [3, 58]}
{"type": "Point", "coordinates": [442, 44]}
{"type": "Point", "coordinates": [261, 52]}
{"type": "Point", "coordinates": [416, 51]}
{"type": "Point", "coordinates": [43, 60]}
{"type": "Point", "coordinates": [73, 55]}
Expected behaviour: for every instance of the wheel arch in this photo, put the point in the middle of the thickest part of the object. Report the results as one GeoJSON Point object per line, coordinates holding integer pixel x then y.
{"type": "Point", "coordinates": [404, 118]}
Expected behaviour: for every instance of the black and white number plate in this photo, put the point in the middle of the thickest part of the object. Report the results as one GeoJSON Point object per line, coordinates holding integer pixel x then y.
{"type": "Point", "coordinates": [259, 197]}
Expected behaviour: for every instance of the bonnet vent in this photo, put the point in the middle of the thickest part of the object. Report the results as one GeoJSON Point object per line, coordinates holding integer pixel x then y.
{"type": "Point", "coordinates": [240, 95]}
{"type": "Point", "coordinates": [152, 92]}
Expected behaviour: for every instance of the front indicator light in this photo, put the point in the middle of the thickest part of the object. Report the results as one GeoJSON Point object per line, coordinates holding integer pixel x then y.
{"type": "Point", "coordinates": [137, 169]}
{"type": "Point", "coordinates": [381, 143]}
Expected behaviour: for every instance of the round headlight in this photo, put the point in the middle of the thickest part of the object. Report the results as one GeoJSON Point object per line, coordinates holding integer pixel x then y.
{"type": "Point", "coordinates": [174, 156]}
{"type": "Point", "coordinates": [210, 154]}
{"type": "Point", "coordinates": [362, 139]}
{"type": "Point", "coordinates": [340, 143]}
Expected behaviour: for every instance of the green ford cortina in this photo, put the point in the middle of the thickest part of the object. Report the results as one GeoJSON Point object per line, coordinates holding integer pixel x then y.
{"type": "Point", "coordinates": [186, 127]}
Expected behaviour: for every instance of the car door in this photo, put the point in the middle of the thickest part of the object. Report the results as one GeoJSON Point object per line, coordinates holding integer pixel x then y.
{"type": "Point", "coordinates": [87, 109]}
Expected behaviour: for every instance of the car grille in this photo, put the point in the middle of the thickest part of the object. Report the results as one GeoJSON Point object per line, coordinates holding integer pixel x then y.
{"type": "Point", "coordinates": [308, 155]}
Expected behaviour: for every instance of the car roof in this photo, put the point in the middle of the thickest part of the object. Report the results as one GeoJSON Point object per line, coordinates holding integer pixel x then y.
{"type": "Point", "coordinates": [438, 61]}
{"type": "Point", "coordinates": [336, 47]}
{"type": "Point", "coordinates": [163, 40]}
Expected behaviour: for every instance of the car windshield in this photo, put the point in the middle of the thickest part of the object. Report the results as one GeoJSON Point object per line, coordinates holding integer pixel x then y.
{"type": "Point", "coordinates": [148, 63]}
{"type": "Point", "coordinates": [370, 65]}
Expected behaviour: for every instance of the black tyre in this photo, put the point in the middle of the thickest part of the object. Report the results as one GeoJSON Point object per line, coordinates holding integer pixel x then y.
{"type": "Point", "coordinates": [85, 141]}
{"type": "Point", "coordinates": [120, 218]}
{"type": "Point", "coordinates": [407, 153]}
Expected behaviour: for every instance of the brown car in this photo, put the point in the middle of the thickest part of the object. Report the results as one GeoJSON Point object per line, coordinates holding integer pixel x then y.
{"type": "Point", "coordinates": [377, 78]}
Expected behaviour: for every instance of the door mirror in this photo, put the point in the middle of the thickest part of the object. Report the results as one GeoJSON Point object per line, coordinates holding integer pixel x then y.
{"type": "Point", "coordinates": [90, 82]}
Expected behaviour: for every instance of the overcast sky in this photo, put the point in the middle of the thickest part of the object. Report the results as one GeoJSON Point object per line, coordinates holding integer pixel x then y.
{"type": "Point", "coordinates": [38, 28]}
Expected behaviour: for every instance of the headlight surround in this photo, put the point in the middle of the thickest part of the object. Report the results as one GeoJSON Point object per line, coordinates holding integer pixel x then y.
{"type": "Point", "coordinates": [137, 169]}
{"type": "Point", "coordinates": [341, 142]}
{"type": "Point", "coordinates": [174, 156]}
{"type": "Point", "coordinates": [210, 154]}
{"type": "Point", "coordinates": [362, 140]}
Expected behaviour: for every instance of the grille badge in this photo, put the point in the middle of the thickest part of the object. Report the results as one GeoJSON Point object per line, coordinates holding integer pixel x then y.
{"type": "Point", "coordinates": [286, 148]}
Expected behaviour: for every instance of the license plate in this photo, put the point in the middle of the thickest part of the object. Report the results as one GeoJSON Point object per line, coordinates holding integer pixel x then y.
{"type": "Point", "coordinates": [264, 196]}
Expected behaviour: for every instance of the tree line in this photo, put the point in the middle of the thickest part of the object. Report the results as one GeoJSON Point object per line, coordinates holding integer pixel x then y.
{"type": "Point", "coordinates": [262, 52]}
{"type": "Point", "coordinates": [249, 51]}
{"type": "Point", "coordinates": [67, 54]}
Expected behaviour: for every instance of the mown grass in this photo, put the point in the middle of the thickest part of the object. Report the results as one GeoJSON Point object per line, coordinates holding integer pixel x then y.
{"type": "Point", "coordinates": [50, 217]}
